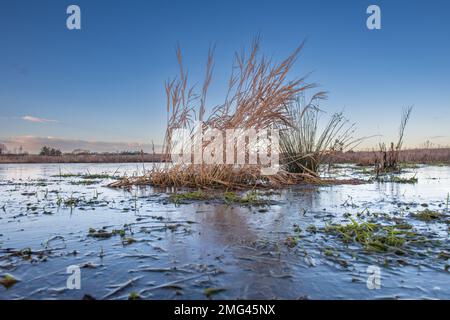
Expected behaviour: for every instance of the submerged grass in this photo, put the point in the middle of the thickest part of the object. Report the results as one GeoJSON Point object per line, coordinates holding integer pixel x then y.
{"type": "Point", "coordinates": [8, 281]}
{"type": "Point", "coordinates": [104, 234]}
{"type": "Point", "coordinates": [372, 236]}
{"type": "Point", "coordinates": [427, 215]}
{"type": "Point", "coordinates": [87, 176]}
{"type": "Point", "coordinates": [444, 255]}
{"type": "Point", "coordinates": [396, 179]}
{"type": "Point", "coordinates": [178, 198]}
{"type": "Point", "coordinates": [134, 296]}
{"type": "Point", "coordinates": [250, 198]}
{"type": "Point", "coordinates": [86, 182]}
{"type": "Point", "coordinates": [69, 202]}
{"type": "Point", "coordinates": [209, 292]}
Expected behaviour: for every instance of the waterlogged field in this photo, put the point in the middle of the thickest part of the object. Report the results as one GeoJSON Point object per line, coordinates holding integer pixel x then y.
{"type": "Point", "coordinates": [308, 242]}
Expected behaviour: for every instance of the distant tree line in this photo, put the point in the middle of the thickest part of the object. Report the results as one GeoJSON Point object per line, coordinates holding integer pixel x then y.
{"type": "Point", "coordinates": [47, 151]}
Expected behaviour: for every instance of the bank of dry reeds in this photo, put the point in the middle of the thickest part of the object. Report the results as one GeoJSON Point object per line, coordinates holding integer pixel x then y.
{"type": "Point", "coordinates": [435, 155]}
{"type": "Point", "coordinates": [215, 177]}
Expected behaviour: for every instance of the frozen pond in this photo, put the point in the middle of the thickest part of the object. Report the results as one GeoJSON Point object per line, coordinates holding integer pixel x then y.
{"type": "Point", "coordinates": [137, 241]}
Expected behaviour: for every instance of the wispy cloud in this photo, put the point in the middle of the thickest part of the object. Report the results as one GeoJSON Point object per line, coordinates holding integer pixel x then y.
{"type": "Point", "coordinates": [38, 120]}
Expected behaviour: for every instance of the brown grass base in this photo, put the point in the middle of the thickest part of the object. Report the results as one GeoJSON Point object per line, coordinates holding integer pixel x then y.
{"type": "Point", "coordinates": [215, 176]}
{"type": "Point", "coordinates": [222, 177]}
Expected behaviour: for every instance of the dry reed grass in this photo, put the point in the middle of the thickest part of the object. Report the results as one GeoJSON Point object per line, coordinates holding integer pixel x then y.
{"type": "Point", "coordinates": [258, 97]}
{"type": "Point", "coordinates": [214, 177]}
{"type": "Point", "coordinates": [389, 160]}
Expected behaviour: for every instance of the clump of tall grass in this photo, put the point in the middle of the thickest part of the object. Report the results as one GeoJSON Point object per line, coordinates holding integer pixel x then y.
{"type": "Point", "coordinates": [259, 93]}
{"type": "Point", "coordinates": [304, 145]}
{"type": "Point", "coordinates": [260, 96]}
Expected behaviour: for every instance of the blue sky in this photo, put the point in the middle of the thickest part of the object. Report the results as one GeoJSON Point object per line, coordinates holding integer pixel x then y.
{"type": "Point", "coordinates": [105, 82]}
